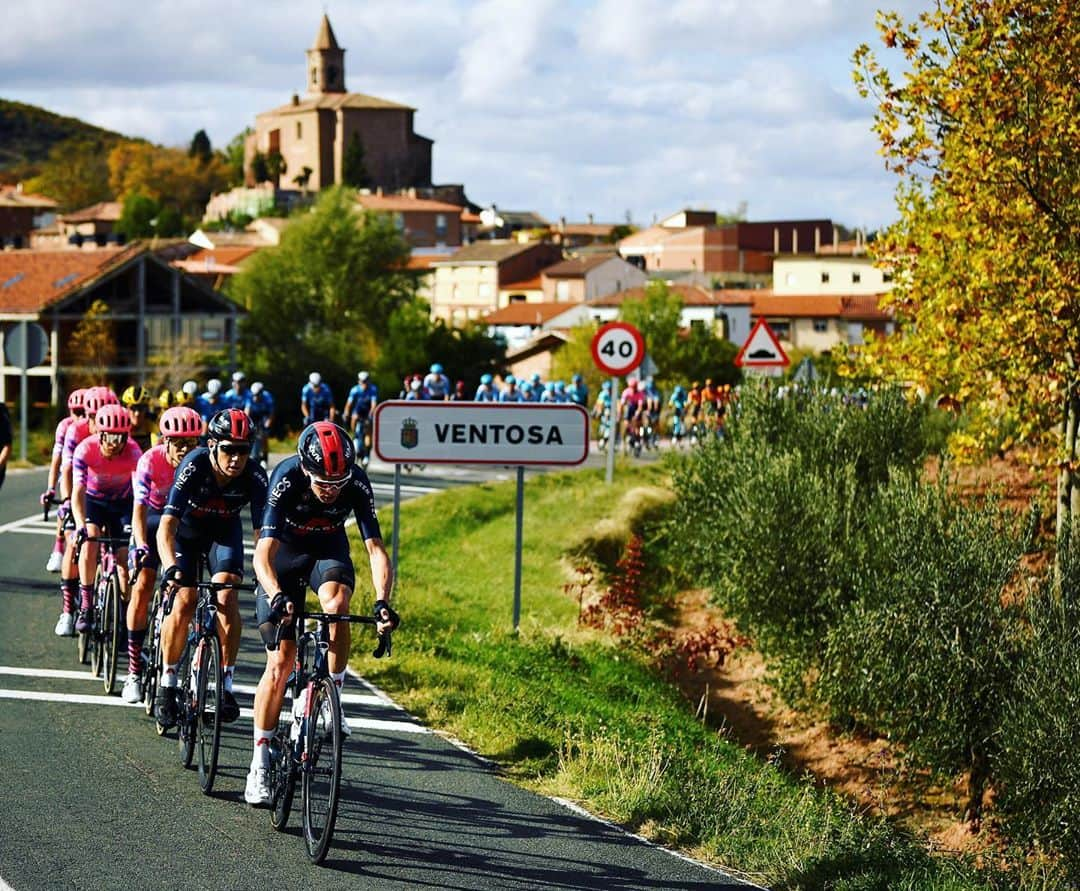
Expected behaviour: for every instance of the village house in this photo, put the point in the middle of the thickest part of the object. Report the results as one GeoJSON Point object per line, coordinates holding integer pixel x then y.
{"type": "Point", "coordinates": [160, 316]}
{"type": "Point", "coordinates": [588, 277]}
{"type": "Point", "coordinates": [427, 224]}
{"type": "Point", "coordinates": [20, 214]}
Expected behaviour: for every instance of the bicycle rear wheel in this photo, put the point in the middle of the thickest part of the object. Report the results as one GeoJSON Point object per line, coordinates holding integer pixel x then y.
{"type": "Point", "coordinates": [97, 639]}
{"type": "Point", "coordinates": [322, 771]}
{"type": "Point", "coordinates": [185, 706]}
{"type": "Point", "coordinates": [88, 638]}
{"type": "Point", "coordinates": [110, 632]}
{"type": "Point", "coordinates": [208, 711]}
{"type": "Point", "coordinates": [152, 654]}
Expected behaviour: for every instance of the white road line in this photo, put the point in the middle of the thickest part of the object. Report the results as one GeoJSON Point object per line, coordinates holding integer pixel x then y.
{"type": "Point", "coordinates": [85, 699]}
{"type": "Point", "coordinates": [14, 525]}
{"type": "Point", "coordinates": [60, 673]}
{"type": "Point", "coordinates": [347, 698]}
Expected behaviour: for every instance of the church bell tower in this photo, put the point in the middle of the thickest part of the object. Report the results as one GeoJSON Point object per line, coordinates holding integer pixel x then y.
{"type": "Point", "coordinates": [326, 62]}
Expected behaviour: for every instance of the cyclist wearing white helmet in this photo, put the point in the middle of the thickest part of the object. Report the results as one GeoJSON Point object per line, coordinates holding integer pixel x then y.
{"type": "Point", "coordinates": [358, 412]}
{"type": "Point", "coordinates": [260, 408]}
{"type": "Point", "coordinates": [213, 400]}
{"type": "Point", "coordinates": [316, 400]}
{"type": "Point", "coordinates": [237, 396]}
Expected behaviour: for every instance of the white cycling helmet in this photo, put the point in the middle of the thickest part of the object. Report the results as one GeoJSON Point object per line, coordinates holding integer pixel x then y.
{"type": "Point", "coordinates": [362, 376]}
{"type": "Point", "coordinates": [256, 388]}
{"type": "Point", "coordinates": [238, 376]}
{"type": "Point", "coordinates": [191, 388]}
{"type": "Point", "coordinates": [213, 386]}
{"type": "Point", "coordinates": [314, 378]}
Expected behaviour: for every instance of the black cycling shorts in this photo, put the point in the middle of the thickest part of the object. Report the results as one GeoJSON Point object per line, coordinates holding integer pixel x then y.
{"type": "Point", "coordinates": [222, 545]}
{"type": "Point", "coordinates": [113, 516]}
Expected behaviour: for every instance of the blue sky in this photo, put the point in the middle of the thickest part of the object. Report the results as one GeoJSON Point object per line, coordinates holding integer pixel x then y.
{"type": "Point", "coordinates": [608, 107]}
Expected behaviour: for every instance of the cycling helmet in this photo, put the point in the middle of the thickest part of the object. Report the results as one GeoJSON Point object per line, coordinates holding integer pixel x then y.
{"type": "Point", "coordinates": [696, 385]}
{"type": "Point", "coordinates": [75, 400]}
{"type": "Point", "coordinates": [549, 387]}
{"type": "Point", "coordinates": [113, 419]}
{"type": "Point", "coordinates": [231, 424]}
{"type": "Point", "coordinates": [213, 386]}
{"type": "Point", "coordinates": [486, 379]}
{"type": "Point", "coordinates": [181, 421]}
{"type": "Point", "coordinates": [510, 379]}
{"type": "Point", "coordinates": [606, 386]}
{"type": "Point", "coordinates": [436, 368]}
{"type": "Point", "coordinates": [190, 388]}
{"type": "Point", "coordinates": [256, 388]}
{"type": "Point", "coordinates": [136, 395]}
{"type": "Point", "coordinates": [165, 399]}
{"type": "Point", "coordinates": [415, 384]}
{"type": "Point", "coordinates": [526, 387]}
{"type": "Point", "coordinates": [559, 386]}
{"type": "Point", "coordinates": [631, 384]}
{"type": "Point", "coordinates": [314, 378]}
{"type": "Point", "coordinates": [238, 376]}
{"type": "Point", "coordinates": [326, 451]}
{"type": "Point", "coordinates": [679, 390]}
{"type": "Point", "coordinates": [577, 378]}
{"type": "Point", "coordinates": [95, 398]}
{"type": "Point", "coordinates": [536, 377]}
{"type": "Point", "coordinates": [362, 376]}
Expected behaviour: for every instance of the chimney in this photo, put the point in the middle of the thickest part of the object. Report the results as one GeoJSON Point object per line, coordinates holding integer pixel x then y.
{"type": "Point", "coordinates": [835, 239]}
{"type": "Point", "coordinates": [776, 240]}
{"type": "Point", "coordinates": [562, 224]}
{"type": "Point", "coordinates": [817, 239]}
{"type": "Point", "coordinates": [590, 219]}
{"type": "Point", "coordinates": [295, 99]}
{"type": "Point", "coordinates": [794, 240]}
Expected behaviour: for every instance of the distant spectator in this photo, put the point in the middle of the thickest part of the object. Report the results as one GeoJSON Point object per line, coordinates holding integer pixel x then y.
{"type": "Point", "coordinates": [5, 441]}
{"type": "Point", "coordinates": [316, 400]}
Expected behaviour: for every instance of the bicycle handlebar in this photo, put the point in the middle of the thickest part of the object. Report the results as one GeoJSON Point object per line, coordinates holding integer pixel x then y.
{"type": "Point", "coordinates": [45, 506]}
{"type": "Point", "coordinates": [384, 647]}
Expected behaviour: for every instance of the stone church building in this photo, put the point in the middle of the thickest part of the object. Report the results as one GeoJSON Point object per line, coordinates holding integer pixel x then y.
{"type": "Point", "coordinates": [315, 132]}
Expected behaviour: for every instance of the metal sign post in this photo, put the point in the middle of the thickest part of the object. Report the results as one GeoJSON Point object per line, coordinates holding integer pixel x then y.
{"type": "Point", "coordinates": [500, 433]}
{"type": "Point", "coordinates": [25, 346]}
{"type": "Point", "coordinates": [397, 521]}
{"type": "Point", "coordinates": [614, 423]}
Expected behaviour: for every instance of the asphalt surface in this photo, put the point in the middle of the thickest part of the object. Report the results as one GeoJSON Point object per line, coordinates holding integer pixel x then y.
{"type": "Point", "coordinates": [92, 798]}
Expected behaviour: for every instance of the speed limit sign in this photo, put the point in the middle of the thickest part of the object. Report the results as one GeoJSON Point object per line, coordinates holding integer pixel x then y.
{"type": "Point", "coordinates": [618, 348]}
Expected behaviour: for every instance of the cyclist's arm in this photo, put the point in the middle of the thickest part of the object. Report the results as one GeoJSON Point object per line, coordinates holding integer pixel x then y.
{"type": "Point", "coordinates": [382, 573]}
{"type": "Point", "coordinates": [65, 481]}
{"type": "Point", "coordinates": [138, 525]}
{"type": "Point", "coordinates": [265, 551]}
{"type": "Point", "coordinates": [166, 539]}
{"type": "Point", "coordinates": [54, 468]}
{"type": "Point", "coordinates": [78, 504]}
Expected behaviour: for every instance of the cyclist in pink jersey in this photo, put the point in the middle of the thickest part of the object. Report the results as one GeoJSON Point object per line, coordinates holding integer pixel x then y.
{"type": "Point", "coordinates": [180, 428]}
{"type": "Point", "coordinates": [75, 411]}
{"type": "Point", "coordinates": [632, 403]}
{"type": "Point", "coordinates": [78, 430]}
{"type": "Point", "coordinates": [101, 497]}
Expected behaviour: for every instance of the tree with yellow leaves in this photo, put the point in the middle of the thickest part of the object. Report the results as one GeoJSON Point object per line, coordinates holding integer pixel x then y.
{"type": "Point", "coordinates": [983, 130]}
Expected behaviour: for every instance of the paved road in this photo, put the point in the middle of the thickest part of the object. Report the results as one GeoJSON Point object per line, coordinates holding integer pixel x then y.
{"type": "Point", "coordinates": [91, 798]}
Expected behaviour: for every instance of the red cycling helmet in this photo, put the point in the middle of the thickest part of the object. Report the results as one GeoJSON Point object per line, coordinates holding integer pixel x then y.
{"type": "Point", "coordinates": [326, 451]}
{"type": "Point", "coordinates": [230, 424]}
{"type": "Point", "coordinates": [113, 419]}
{"type": "Point", "coordinates": [75, 401]}
{"type": "Point", "coordinates": [181, 422]}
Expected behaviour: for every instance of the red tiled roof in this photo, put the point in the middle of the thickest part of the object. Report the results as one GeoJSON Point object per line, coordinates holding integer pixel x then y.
{"type": "Point", "coordinates": [530, 284]}
{"type": "Point", "coordinates": [691, 295]}
{"type": "Point", "coordinates": [596, 230]}
{"type": "Point", "coordinates": [577, 267]}
{"type": "Point", "coordinates": [13, 196]}
{"type": "Point", "coordinates": [404, 203]}
{"type": "Point", "coordinates": [816, 306]}
{"type": "Point", "coordinates": [526, 313]}
{"type": "Point", "coordinates": [222, 256]}
{"type": "Point", "coordinates": [108, 211]}
{"type": "Point", "coordinates": [424, 261]}
{"type": "Point", "coordinates": [31, 280]}
{"type": "Point", "coordinates": [467, 216]}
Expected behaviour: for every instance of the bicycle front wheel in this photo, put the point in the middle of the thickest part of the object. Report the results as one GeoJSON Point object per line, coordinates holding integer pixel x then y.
{"type": "Point", "coordinates": [152, 654]}
{"type": "Point", "coordinates": [90, 640]}
{"type": "Point", "coordinates": [322, 771]}
{"type": "Point", "coordinates": [282, 778]}
{"type": "Point", "coordinates": [185, 707]}
{"type": "Point", "coordinates": [110, 632]}
{"type": "Point", "coordinates": [208, 711]}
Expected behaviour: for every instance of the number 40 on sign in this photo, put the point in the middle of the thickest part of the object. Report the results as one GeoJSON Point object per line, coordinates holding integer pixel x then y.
{"type": "Point", "coordinates": [618, 348]}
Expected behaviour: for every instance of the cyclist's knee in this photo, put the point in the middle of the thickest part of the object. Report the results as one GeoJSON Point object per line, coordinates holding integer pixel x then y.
{"type": "Point", "coordinates": [334, 596]}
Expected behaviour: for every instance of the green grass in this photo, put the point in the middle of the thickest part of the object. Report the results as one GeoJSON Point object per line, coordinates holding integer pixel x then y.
{"type": "Point", "coordinates": [570, 713]}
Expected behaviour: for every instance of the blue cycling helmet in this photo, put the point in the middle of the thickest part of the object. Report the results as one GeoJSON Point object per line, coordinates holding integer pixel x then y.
{"type": "Point", "coordinates": [577, 378]}
{"type": "Point", "coordinates": [559, 386]}
{"type": "Point", "coordinates": [510, 379]}
{"type": "Point", "coordinates": [679, 390]}
{"type": "Point", "coordinates": [536, 377]}
{"type": "Point", "coordinates": [485, 378]}
{"type": "Point", "coordinates": [607, 385]}
{"type": "Point", "coordinates": [526, 387]}
{"type": "Point", "coordinates": [549, 386]}
{"type": "Point", "coordinates": [436, 368]}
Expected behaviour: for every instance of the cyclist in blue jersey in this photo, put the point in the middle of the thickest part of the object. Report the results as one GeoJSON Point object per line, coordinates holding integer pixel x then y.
{"type": "Point", "coordinates": [213, 400]}
{"type": "Point", "coordinates": [316, 400]}
{"type": "Point", "coordinates": [560, 392]}
{"type": "Point", "coordinates": [238, 394]}
{"type": "Point", "coordinates": [260, 408]}
{"type": "Point", "coordinates": [304, 544]}
{"type": "Point", "coordinates": [359, 407]}
{"type": "Point", "coordinates": [201, 520]}
{"type": "Point", "coordinates": [578, 391]}
{"type": "Point", "coordinates": [511, 393]}
{"type": "Point", "coordinates": [548, 394]}
{"type": "Point", "coordinates": [678, 414]}
{"type": "Point", "coordinates": [602, 412]}
{"type": "Point", "coordinates": [486, 392]}
{"type": "Point", "coordinates": [537, 387]}
{"type": "Point", "coordinates": [437, 383]}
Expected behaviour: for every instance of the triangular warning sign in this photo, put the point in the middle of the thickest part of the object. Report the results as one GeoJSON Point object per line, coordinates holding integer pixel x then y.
{"type": "Point", "coordinates": [762, 349]}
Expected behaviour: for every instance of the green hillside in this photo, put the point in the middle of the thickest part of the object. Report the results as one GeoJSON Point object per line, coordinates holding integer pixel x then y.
{"type": "Point", "coordinates": [28, 132]}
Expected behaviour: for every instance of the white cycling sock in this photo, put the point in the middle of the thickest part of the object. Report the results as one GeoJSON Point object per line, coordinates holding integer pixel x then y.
{"type": "Point", "coordinates": [260, 757]}
{"type": "Point", "coordinates": [227, 673]}
{"type": "Point", "coordinates": [168, 676]}
{"type": "Point", "coordinates": [339, 679]}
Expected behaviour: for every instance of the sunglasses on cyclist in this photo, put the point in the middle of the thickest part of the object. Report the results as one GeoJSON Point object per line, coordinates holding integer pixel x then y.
{"type": "Point", "coordinates": [235, 448]}
{"type": "Point", "coordinates": [112, 439]}
{"type": "Point", "coordinates": [336, 485]}
{"type": "Point", "coordinates": [185, 443]}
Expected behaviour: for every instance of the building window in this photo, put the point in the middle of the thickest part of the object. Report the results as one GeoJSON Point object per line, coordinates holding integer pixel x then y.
{"type": "Point", "coordinates": [517, 298]}
{"type": "Point", "coordinates": [562, 291]}
{"type": "Point", "coordinates": [697, 323]}
{"type": "Point", "coordinates": [299, 131]}
{"type": "Point", "coordinates": [483, 291]}
{"type": "Point", "coordinates": [824, 278]}
{"type": "Point", "coordinates": [821, 326]}
{"type": "Point", "coordinates": [856, 277]}
{"type": "Point", "coordinates": [440, 225]}
{"type": "Point", "coordinates": [315, 76]}
{"type": "Point", "coordinates": [781, 329]}
{"type": "Point", "coordinates": [399, 222]}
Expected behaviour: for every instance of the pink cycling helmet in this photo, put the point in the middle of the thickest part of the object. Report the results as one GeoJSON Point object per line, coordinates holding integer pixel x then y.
{"type": "Point", "coordinates": [182, 422]}
{"type": "Point", "coordinates": [113, 419]}
{"type": "Point", "coordinates": [94, 398]}
{"type": "Point", "coordinates": [75, 400]}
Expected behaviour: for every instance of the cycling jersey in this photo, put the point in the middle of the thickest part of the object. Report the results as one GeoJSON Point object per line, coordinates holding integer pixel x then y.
{"type": "Point", "coordinates": [76, 432]}
{"type": "Point", "coordinates": [197, 499]}
{"type": "Point", "coordinates": [105, 479]}
{"type": "Point", "coordinates": [579, 394]}
{"type": "Point", "coordinates": [437, 385]}
{"type": "Point", "coordinates": [293, 511]}
{"type": "Point", "coordinates": [362, 399]}
{"type": "Point", "coordinates": [678, 401]}
{"type": "Point", "coordinates": [319, 400]}
{"type": "Point", "coordinates": [234, 398]}
{"type": "Point", "coordinates": [260, 407]}
{"type": "Point", "coordinates": [511, 395]}
{"type": "Point", "coordinates": [486, 393]}
{"type": "Point", "coordinates": [208, 407]}
{"type": "Point", "coordinates": [634, 400]}
{"type": "Point", "coordinates": [61, 431]}
{"type": "Point", "coordinates": [153, 478]}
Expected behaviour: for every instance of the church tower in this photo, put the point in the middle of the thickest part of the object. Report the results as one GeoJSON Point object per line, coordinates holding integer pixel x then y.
{"type": "Point", "coordinates": [326, 62]}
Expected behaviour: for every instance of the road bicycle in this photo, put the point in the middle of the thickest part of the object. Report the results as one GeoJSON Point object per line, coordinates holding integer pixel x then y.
{"type": "Point", "coordinates": [307, 745]}
{"type": "Point", "coordinates": [101, 641]}
{"type": "Point", "coordinates": [201, 682]}
{"type": "Point", "coordinates": [361, 437]}
{"type": "Point", "coordinates": [160, 607]}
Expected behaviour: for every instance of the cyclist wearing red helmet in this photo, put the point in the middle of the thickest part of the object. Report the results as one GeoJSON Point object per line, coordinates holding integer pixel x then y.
{"type": "Point", "coordinates": [180, 429]}
{"type": "Point", "coordinates": [201, 519]}
{"type": "Point", "coordinates": [75, 411]}
{"type": "Point", "coordinates": [304, 544]}
{"type": "Point", "coordinates": [101, 496]}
